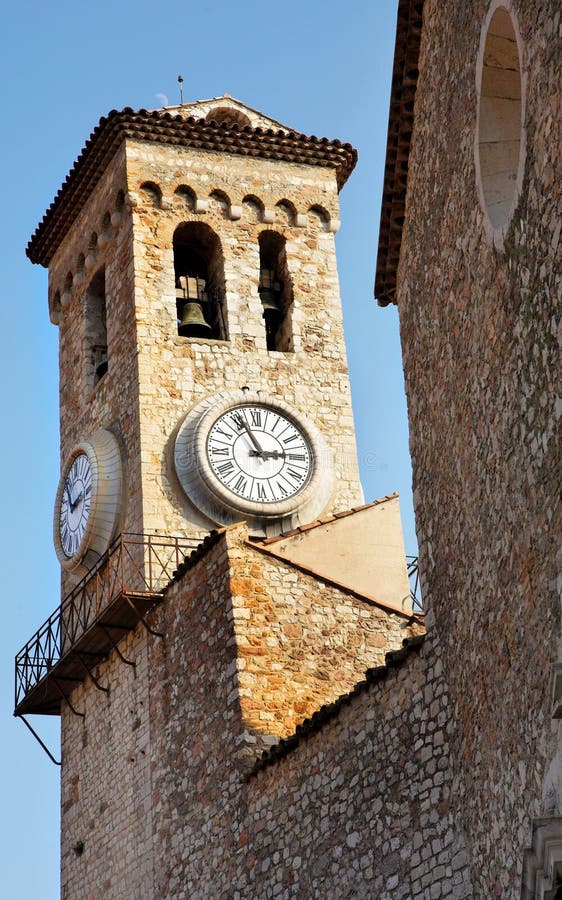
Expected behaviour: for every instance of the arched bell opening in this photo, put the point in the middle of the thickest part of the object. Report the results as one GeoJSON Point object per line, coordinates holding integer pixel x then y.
{"type": "Point", "coordinates": [225, 115]}
{"type": "Point", "coordinates": [199, 275]}
{"type": "Point", "coordinates": [96, 328]}
{"type": "Point", "coordinates": [275, 291]}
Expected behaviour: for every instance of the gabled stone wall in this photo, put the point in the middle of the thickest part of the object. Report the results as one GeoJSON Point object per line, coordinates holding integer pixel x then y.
{"type": "Point", "coordinates": [155, 776]}
{"type": "Point", "coordinates": [365, 805]}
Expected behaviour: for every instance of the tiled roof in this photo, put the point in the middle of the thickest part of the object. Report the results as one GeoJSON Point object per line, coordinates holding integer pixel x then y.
{"type": "Point", "coordinates": [330, 711]}
{"type": "Point", "coordinates": [400, 125]}
{"type": "Point", "coordinates": [164, 127]}
{"type": "Point", "coordinates": [189, 561]}
{"type": "Point", "coordinates": [300, 529]}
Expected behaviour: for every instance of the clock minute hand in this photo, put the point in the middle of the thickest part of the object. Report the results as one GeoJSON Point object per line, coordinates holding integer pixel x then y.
{"type": "Point", "coordinates": [253, 438]}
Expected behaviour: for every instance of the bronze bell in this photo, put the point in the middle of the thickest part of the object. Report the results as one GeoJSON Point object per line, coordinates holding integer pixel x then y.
{"type": "Point", "coordinates": [270, 300]}
{"type": "Point", "coordinates": [100, 361]}
{"type": "Point", "coordinates": [193, 322]}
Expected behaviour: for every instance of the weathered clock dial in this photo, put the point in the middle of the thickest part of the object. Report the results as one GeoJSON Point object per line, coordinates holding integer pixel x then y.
{"type": "Point", "coordinates": [75, 504]}
{"type": "Point", "coordinates": [248, 455]}
{"type": "Point", "coordinates": [259, 454]}
{"type": "Point", "coordinates": [88, 502]}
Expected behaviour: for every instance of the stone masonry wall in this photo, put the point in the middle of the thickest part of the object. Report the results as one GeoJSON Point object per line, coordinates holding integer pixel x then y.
{"type": "Point", "coordinates": [107, 796]}
{"type": "Point", "coordinates": [365, 806]}
{"type": "Point", "coordinates": [143, 772]}
{"type": "Point", "coordinates": [154, 776]}
{"type": "Point", "coordinates": [301, 641]}
{"type": "Point", "coordinates": [101, 238]}
{"type": "Point", "coordinates": [479, 327]}
{"type": "Point", "coordinates": [238, 202]}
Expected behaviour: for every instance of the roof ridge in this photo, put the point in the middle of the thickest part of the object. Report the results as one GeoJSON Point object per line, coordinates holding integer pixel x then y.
{"type": "Point", "coordinates": [325, 520]}
{"type": "Point", "coordinates": [329, 711]}
{"type": "Point", "coordinates": [340, 585]}
{"type": "Point", "coordinates": [227, 97]}
{"type": "Point", "coordinates": [201, 550]}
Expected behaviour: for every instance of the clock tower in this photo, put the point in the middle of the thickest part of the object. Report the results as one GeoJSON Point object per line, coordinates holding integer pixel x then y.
{"type": "Point", "coordinates": [192, 274]}
{"type": "Point", "coordinates": [222, 576]}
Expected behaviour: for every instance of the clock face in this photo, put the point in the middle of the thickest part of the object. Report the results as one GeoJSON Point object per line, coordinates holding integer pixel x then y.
{"type": "Point", "coordinates": [248, 456]}
{"type": "Point", "coordinates": [88, 502]}
{"type": "Point", "coordinates": [259, 454]}
{"type": "Point", "coordinates": [75, 504]}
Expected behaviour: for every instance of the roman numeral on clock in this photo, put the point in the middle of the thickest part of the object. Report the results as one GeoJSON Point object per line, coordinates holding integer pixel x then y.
{"type": "Point", "coordinates": [240, 485]}
{"type": "Point", "coordinates": [258, 454]}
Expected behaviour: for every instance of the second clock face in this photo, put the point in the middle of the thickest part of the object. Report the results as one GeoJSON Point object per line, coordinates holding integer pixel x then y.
{"type": "Point", "coordinates": [259, 454]}
{"type": "Point", "coordinates": [88, 502]}
{"type": "Point", "coordinates": [75, 504]}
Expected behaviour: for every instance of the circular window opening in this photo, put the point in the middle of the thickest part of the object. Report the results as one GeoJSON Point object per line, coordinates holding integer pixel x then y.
{"type": "Point", "coordinates": [500, 145]}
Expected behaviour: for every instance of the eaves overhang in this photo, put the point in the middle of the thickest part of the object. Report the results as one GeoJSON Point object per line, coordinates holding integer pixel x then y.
{"type": "Point", "coordinates": [164, 127]}
{"type": "Point", "coordinates": [400, 127]}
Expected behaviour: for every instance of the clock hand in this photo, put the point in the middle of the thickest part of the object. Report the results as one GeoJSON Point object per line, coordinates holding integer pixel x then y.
{"type": "Point", "coordinates": [260, 451]}
{"type": "Point", "coordinates": [77, 501]}
{"type": "Point", "coordinates": [269, 454]}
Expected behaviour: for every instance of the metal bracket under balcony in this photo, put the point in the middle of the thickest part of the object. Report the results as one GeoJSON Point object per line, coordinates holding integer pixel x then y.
{"type": "Point", "coordinates": [112, 599]}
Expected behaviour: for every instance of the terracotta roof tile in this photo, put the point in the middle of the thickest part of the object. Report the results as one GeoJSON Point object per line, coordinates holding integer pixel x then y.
{"type": "Point", "coordinates": [330, 711]}
{"type": "Point", "coordinates": [300, 529]}
{"type": "Point", "coordinates": [189, 561]}
{"type": "Point", "coordinates": [164, 127]}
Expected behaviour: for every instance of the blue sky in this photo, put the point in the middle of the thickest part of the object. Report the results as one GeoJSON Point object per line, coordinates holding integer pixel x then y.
{"type": "Point", "coordinates": [320, 67]}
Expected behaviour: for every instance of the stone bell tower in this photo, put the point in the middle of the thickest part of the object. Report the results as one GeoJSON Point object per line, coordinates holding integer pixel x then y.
{"type": "Point", "coordinates": [205, 407]}
{"type": "Point", "coordinates": [191, 253]}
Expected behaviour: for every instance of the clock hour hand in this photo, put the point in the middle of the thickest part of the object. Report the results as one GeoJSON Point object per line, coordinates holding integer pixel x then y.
{"type": "Point", "coordinates": [76, 502]}
{"type": "Point", "coordinates": [268, 454]}
{"type": "Point", "coordinates": [78, 499]}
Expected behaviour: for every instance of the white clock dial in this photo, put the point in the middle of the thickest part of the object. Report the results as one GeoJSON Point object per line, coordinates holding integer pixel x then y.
{"type": "Point", "coordinates": [75, 504]}
{"type": "Point", "coordinates": [248, 455]}
{"type": "Point", "coordinates": [88, 502]}
{"type": "Point", "coordinates": [259, 454]}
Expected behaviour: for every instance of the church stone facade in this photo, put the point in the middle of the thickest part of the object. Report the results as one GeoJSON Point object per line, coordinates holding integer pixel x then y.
{"type": "Point", "coordinates": [470, 251]}
{"type": "Point", "coordinates": [278, 723]}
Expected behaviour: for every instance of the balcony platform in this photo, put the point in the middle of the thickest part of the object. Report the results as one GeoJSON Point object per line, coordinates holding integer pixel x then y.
{"type": "Point", "coordinates": [111, 600]}
{"type": "Point", "coordinates": [94, 645]}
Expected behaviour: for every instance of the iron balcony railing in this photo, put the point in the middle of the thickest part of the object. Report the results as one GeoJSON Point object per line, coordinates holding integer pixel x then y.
{"type": "Point", "coordinates": [415, 587]}
{"type": "Point", "coordinates": [135, 565]}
